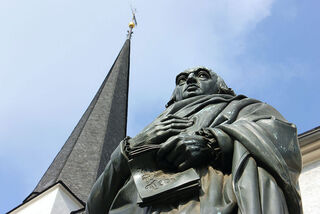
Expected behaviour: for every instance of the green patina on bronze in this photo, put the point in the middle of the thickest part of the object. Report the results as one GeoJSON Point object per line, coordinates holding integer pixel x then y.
{"type": "Point", "coordinates": [246, 156]}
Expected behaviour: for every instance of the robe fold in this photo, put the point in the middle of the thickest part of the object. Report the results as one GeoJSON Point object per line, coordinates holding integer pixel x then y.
{"type": "Point", "coordinates": [257, 173]}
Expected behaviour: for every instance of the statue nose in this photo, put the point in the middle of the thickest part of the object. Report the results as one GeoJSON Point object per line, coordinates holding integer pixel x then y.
{"type": "Point", "coordinates": [191, 78]}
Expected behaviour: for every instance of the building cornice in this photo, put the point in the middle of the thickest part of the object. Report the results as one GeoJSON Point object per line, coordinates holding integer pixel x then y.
{"type": "Point", "coordinates": [310, 146]}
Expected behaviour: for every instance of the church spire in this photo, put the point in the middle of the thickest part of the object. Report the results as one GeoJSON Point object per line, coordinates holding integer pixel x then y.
{"type": "Point", "coordinates": [103, 125]}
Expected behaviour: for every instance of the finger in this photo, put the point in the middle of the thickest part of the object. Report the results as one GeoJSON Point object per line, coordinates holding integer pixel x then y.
{"type": "Point", "coordinates": [170, 132]}
{"type": "Point", "coordinates": [180, 159]}
{"type": "Point", "coordinates": [167, 147]}
{"type": "Point", "coordinates": [184, 165]}
{"type": "Point", "coordinates": [166, 122]}
{"type": "Point", "coordinates": [176, 126]}
{"type": "Point", "coordinates": [163, 164]}
{"type": "Point", "coordinates": [193, 147]}
{"type": "Point", "coordinates": [174, 153]}
{"type": "Point", "coordinates": [170, 116]}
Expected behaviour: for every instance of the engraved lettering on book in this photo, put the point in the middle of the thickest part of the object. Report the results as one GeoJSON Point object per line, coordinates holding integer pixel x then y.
{"type": "Point", "coordinates": [155, 180]}
{"type": "Point", "coordinates": [154, 184]}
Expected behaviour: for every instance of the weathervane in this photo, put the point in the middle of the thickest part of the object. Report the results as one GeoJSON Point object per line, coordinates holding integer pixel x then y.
{"type": "Point", "coordinates": [133, 22]}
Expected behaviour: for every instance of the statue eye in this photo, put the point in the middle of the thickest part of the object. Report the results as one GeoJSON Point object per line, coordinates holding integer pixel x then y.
{"type": "Point", "coordinates": [203, 75]}
{"type": "Point", "coordinates": [181, 80]}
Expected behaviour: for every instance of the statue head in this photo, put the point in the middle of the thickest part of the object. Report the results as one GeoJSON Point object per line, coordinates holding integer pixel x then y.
{"type": "Point", "coordinates": [198, 81]}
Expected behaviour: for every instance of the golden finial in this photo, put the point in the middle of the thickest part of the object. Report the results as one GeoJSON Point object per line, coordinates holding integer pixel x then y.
{"type": "Point", "coordinates": [131, 24]}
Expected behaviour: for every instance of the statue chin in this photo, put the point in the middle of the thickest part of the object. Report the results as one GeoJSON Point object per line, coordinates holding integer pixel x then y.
{"type": "Point", "coordinates": [191, 94]}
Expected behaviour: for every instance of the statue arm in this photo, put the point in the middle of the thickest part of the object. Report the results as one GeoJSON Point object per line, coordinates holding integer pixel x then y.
{"type": "Point", "coordinates": [108, 184]}
{"type": "Point", "coordinates": [269, 140]}
{"type": "Point", "coordinates": [257, 119]}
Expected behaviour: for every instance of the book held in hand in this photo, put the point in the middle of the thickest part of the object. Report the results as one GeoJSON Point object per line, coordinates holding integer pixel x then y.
{"type": "Point", "coordinates": [156, 185]}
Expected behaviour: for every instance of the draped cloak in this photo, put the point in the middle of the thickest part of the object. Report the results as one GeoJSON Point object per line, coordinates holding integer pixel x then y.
{"type": "Point", "coordinates": [257, 173]}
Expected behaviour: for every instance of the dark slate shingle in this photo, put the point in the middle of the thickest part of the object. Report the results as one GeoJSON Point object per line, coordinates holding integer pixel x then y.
{"type": "Point", "coordinates": [100, 129]}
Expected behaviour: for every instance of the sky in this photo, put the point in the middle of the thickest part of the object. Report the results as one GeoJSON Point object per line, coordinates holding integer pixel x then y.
{"type": "Point", "coordinates": [54, 54]}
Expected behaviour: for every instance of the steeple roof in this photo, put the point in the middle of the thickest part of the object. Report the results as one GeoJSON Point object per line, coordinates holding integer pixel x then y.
{"type": "Point", "coordinates": [103, 125]}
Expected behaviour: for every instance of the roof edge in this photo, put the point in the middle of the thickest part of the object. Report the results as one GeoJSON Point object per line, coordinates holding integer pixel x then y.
{"type": "Point", "coordinates": [51, 186]}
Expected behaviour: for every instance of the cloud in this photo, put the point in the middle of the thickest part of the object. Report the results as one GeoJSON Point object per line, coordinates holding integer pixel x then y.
{"type": "Point", "coordinates": [238, 17]}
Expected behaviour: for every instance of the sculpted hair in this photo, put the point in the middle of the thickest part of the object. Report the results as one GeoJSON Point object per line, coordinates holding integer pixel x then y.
{"type": "Point", "coordinates": [221, 85]}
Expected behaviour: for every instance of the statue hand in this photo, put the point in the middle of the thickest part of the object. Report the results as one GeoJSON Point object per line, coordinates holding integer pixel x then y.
{"type": "Point", "coordinates": [169, 126]}
{"type": "Point", "coordinates": [184, 151]}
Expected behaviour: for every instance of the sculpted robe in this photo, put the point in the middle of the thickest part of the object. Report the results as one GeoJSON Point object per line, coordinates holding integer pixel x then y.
{"type": "Point", "coordinates": [257, 172]}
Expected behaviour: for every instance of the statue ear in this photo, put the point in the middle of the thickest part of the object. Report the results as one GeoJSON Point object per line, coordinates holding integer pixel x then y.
{"type": "Point", "coordinates": [172, 99]}
{"type": "Point", "coordinates": [223, 88]}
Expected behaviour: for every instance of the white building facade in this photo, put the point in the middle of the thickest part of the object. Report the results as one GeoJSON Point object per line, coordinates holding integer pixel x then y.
{"type": "Point", "coordinates": [310, 176]}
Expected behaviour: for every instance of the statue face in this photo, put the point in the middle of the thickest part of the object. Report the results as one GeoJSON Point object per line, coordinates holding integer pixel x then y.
{"type": "Point", "coordinates": [194, 82]}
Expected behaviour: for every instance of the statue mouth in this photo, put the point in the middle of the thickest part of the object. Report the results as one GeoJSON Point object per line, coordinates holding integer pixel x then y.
{"type": "Point", "coordinates": [192, 87]}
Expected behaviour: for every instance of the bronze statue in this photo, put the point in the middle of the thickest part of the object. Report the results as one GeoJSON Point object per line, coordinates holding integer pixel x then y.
{"type": "Point", "coordinates": [213, 152]}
